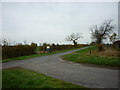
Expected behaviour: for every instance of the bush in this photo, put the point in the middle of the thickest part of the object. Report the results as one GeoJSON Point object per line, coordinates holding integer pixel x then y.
{"type": "Point", "coordinates": [109, 52]}
{"type": "Point", "coordinates": [100, 47]}
{"type": "Point", "coordinates": [18, 50]}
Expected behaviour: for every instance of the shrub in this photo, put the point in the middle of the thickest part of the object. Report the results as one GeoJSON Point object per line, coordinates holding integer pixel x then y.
{"type": "Point", "coordinates": [100, 47]}
{"type": "Point", "coordinates": [17, 50]}
{"type": "Point", "coordinates": [109, 52]}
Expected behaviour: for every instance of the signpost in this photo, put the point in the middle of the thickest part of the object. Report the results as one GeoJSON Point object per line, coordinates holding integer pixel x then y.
{"type": "Point", "coordinates": [48, 49]}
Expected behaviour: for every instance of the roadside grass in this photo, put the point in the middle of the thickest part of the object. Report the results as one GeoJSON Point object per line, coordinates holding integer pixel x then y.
{"type": "Point", "coordinates": [35, 55]}
{"type": "Point", "coordinates": [21, 78]}
{"type": "Point", "coordinates": [83, 56]}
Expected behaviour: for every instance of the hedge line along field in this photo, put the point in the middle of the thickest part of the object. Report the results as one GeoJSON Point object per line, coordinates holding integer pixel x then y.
{"type": "Point", "coordinates": [61, 47]}
{"type": "Point", "coordinates": [18, 50]}
{"type": "Point", "coordinates": [26, 50]}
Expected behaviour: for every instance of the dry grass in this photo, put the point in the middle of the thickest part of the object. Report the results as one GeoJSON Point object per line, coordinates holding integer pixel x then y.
{"type": "Point", "coordinates": [110, 52]}
{"type": "Point", "coordinates": [107, 52]}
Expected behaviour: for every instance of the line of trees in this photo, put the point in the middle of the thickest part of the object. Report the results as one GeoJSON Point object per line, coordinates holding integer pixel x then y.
{"type": "Point", "coordinates": [99, 33]}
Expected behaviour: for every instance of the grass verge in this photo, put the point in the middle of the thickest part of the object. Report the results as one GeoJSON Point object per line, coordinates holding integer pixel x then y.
{"type": "Point", "coordinates": [36, 55]}
{"type": "Point", "coordinates": [20, 78]}
{"type": "Point", "coordinates": [82, 56]}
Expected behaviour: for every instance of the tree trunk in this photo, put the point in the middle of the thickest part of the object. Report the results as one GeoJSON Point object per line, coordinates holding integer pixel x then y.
{"type": "Point", "coordinates": [75, 43]}
{"type": "Point", "coordinates": [99, 40]}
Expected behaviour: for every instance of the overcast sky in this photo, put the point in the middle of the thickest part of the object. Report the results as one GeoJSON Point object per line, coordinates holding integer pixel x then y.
{"type": "Point", "coordinates": [52, 22]}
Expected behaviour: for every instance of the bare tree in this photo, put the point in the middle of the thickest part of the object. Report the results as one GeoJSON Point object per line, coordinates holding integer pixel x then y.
{"type": "Point", "coordinates": [73, 38]}
{"type": "Point", "coordinates": [99, 33]}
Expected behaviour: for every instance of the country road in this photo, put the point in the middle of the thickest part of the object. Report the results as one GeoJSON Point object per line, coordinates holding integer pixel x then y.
{"type": "Point", "coordinates": [80, 74]}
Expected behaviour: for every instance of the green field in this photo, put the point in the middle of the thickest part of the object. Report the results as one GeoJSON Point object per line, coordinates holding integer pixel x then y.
{"type": "Point", "coordinates": [21, 78]}
{"type": "Point", "coordinates": [36, 55]}
{"type": "Point", "coordinates": [82, 56]}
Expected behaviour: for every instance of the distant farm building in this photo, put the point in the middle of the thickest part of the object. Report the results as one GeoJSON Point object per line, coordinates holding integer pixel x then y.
{"type": "Point", "coordinates": [116, 44]}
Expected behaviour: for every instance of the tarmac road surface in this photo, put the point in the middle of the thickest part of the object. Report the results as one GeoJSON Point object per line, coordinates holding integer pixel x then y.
{"type": "Point", "coordinates": [80, 74]}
